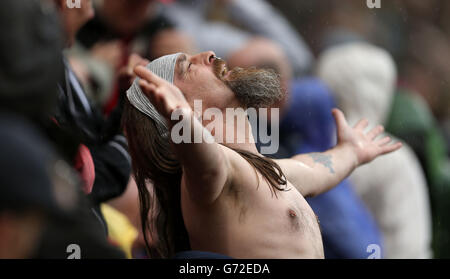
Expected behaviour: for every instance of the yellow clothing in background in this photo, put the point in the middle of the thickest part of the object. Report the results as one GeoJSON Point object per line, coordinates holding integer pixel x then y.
{"type": "Point", "coordinates": [120, 231]}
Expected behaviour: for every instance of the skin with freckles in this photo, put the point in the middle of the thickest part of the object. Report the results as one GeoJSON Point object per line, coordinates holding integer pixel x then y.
{"type": "Point", "coordinates": [228, 206]}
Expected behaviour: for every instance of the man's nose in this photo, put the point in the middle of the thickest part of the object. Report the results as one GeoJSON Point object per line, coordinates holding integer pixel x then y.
{"type": "Point", "coordinates": [205, 58]}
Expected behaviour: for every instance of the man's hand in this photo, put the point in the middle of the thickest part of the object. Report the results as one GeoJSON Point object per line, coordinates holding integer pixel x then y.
{"type": "Point", "coordinates": [317, 173]}
{"type": "Point", "coordinates": [366, 146]}
{"type": "Point", "coordinates": [165, 96]}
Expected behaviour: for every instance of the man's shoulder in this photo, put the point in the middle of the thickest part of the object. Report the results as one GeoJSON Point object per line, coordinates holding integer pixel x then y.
{"type": "Point", "coordinates": [239, 158]}
{"type": "Point", "coordinates": [249, 167]}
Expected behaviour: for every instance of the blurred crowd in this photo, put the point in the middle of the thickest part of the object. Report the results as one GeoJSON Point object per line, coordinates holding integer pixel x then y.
{"type": "Point", "coordinates": [65, 170]}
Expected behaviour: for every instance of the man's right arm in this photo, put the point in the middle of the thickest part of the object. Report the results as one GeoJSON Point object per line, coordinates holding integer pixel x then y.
{"type": "Point", "coordinates": [206, 169]}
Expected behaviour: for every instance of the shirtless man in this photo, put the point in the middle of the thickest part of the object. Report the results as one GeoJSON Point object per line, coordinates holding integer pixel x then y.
{"type": "Point", "coordinates": [234, 201]}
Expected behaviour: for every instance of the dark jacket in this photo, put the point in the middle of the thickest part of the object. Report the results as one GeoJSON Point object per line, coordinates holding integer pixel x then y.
{"type": "Point", "coordinates": [82, 122]}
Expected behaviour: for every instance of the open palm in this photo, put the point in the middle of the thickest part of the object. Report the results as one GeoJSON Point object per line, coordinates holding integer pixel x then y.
{"type": "Point", "coordinates": [367, 145]}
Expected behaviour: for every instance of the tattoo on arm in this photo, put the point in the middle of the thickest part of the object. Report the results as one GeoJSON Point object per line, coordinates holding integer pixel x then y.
{"type": "Point", "coordinates": [323, 159]}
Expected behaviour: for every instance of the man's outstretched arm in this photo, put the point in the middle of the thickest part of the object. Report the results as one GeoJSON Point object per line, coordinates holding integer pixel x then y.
{"type": "Point", "coordinates": [315, 173]}
{"type": "Point", "coordinates": [206, 169]}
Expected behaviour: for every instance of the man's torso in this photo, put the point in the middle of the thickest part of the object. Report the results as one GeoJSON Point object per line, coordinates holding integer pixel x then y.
{"type": "Point", "coordinates": [249, 221]}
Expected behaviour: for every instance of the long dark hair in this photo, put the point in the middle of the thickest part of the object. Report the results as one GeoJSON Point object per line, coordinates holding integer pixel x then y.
{"type": "Point", "coordinates": [153, 161]}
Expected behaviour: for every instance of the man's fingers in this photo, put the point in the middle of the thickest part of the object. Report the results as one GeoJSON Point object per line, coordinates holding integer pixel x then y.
{"type": "Point", "coordinates": [375, 132]}
{"type": "Point", "coordinates": [339, 118]}
{"type": "Point", "coordinates": [147, 75]}
{"type": "Point", "coordinates": [149, 89]}
{"type": "Point", "coordinates": [391, 148]}
{"type": "Point", "coordinates": [362, 124]}
{"type": "Point", "coordinates": [383, 141]}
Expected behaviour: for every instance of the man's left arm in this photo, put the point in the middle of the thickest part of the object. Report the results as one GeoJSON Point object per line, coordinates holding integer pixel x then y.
{"type": "Point", "coordinates": [315, 173]}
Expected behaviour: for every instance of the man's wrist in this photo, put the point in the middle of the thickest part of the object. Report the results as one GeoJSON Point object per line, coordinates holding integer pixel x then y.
{"type": "Point", "coordinates": [351, 153]}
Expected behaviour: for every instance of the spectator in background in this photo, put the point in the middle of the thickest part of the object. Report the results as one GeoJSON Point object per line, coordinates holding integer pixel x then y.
{"type": "Point", "coordinates": [30, 59]}
{"type": "Point", "coordinates": [415, 32]}
{"type": "Point", "coordinates": [43, 211]}
{"type": "Point", "coordinates": [363, 79]}
{"type": "Point", "coordinates": [412, 121]}
{"type": "Point", "coordinates": [28, 202]}
{"type": "Point", "coordinates": [424, 67]}
{"type": "Point", "coordinates": [105, 43]}
{"type": "Point", "coordinates": [41, 205]}
{"type": "Point", "coordinates": [419, 111]}
{"type": "Point", "coordinates": [79, 120]}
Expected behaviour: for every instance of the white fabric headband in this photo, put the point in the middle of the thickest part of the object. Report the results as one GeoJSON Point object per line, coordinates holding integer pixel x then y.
{"type": "Point", "coordinates": [164, 67]}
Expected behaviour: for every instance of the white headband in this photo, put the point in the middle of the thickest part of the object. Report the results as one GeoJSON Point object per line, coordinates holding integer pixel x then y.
{"type": "Point", "coordinates": [164, 67]}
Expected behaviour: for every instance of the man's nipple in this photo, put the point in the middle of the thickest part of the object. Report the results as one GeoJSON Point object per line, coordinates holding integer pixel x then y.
{"type": "Point", "coordinates": [292, 213]}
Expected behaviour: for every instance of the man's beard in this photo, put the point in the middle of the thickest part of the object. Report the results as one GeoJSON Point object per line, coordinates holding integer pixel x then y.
{"type": "Point", "coordinates": [253, 87]}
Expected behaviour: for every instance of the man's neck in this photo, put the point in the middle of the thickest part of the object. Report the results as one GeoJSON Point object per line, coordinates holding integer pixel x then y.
{"type": "Point", "coordinates": [236, 132]}
{"type": "Point", "coordinates": [248, 144]}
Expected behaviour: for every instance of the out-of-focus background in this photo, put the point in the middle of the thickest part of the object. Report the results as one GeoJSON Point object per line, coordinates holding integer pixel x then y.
{"type": "Point", "coordinates": [65, 170]}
